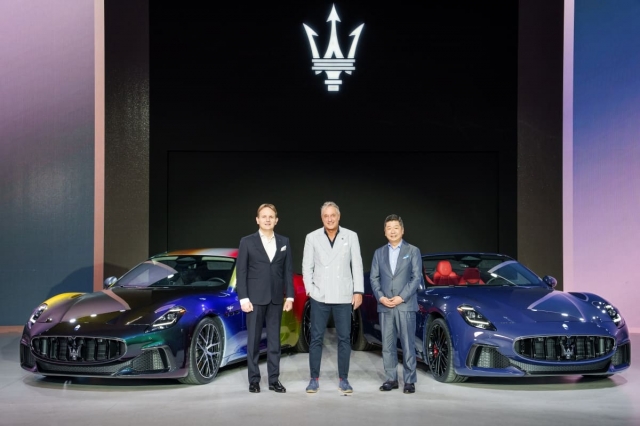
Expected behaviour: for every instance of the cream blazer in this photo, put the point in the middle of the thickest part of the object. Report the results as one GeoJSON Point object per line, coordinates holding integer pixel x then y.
{"type": "Point", "coordinates": [332, 274]}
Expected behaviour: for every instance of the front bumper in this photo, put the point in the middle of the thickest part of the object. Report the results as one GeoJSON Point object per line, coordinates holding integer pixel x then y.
{"type": "Point", "coordinates": [125, 353]}
{"type": "Point", "coordinates": [542, 349]}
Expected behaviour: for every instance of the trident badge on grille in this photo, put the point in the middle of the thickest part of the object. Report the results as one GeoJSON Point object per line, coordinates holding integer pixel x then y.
{"type": "Point", "coordinates": [74, 348]}
{"type": "Point", "coordinates": [567, 347]}
{"type": "Point", "coordinates": [334, 61]}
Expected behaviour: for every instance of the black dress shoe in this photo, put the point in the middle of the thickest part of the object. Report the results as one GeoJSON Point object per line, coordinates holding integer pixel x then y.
{"type": "Point", "coordinates": [277, 386]}
{"type": "Point", "coordinates": [388, 385]}
{"type": "Point", "coordinates": [409, 388]}
{"type": "Point", "coordinates": [254, 387]}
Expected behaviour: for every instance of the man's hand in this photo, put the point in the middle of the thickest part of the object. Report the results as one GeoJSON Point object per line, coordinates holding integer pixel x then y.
{"type": "Point", "coordinates": [396, 300]}
{"type": "Point", "coordinates": [387, 302]}
{"type": "Point", "coordinates": [246, 306]}
{"type": "Point", "coordinates": [356, 301]}
{"type": "Point", "coordinates": [288, 305]}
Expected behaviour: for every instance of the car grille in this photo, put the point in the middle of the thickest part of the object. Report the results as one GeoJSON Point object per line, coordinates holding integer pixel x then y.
{"type": "Point", "coordinates": [150, 361]}
{"type": "Point", "coordinates": [77, 349]}
{"type": "Point", "coordinates": [489, 357]}
{"type": "Point", "coordinates": [564, 348]}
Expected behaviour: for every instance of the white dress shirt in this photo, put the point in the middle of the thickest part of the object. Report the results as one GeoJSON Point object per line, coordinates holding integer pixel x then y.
{"type": "Point", "coordinates": [269, 244]}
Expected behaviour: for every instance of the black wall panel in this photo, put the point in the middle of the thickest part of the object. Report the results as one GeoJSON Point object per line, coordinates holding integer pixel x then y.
{"type": "Point", "coordinates": [211, 203]}
{"type": "Point", "coordinates": [236, 110]}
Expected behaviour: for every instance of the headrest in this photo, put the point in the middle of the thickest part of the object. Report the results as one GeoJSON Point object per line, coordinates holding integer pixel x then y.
{"type": "Point", "coordinates": [444, 267]}
{"type": "Point", "coordinates": [471, 274]}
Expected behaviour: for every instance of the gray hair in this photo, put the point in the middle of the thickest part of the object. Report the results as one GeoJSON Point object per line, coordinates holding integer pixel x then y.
{"type": "Point", "coordinates": [393, 217]}
{"type": "Point", "coordinates": [329, 204]}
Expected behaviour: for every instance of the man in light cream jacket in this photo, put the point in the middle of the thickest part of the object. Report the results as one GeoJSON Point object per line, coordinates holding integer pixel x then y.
{"type": "Point", "coordinates": [333, 278]}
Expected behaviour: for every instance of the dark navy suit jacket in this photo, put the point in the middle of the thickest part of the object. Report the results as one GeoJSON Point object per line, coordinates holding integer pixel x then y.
{"type": "Point", "coordinates": [261, 280]}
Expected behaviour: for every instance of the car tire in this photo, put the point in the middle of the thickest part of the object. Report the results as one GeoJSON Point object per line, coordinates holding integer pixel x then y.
{"type": "Point", "coordinates": [206, 349]}
{"type": "Point", "coordinates": [439, 353]}
{"type": "Point", "coordinates": [358, 341]}
{"type": "Point", "coordinates": [305, 330]}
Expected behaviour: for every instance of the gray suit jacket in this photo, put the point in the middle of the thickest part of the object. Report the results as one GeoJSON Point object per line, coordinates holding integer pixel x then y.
{"type": "Point", "coordinates": [332, 274]}
{"type": "Point", "coordinates": [404, 282]}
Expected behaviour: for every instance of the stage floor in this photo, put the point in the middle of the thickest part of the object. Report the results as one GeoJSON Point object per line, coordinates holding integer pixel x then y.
{"type": "Point", "coordinates": [27, 399]}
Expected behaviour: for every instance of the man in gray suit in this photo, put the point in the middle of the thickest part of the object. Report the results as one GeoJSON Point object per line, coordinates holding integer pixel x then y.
{"type": "Point", "coordinates": [396, 274]}
{"type": "Point", "coordinates": [333, 279]}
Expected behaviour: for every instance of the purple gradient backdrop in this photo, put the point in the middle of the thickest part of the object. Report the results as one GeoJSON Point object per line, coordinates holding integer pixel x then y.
{"type": "Point", "coordinates": [606, 153]}
{"type": "Point", "coordinates": [47, 97]}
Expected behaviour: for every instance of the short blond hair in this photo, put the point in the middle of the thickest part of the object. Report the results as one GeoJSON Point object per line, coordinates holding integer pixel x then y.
{"type": "Point", "coordinates": [266, 206]}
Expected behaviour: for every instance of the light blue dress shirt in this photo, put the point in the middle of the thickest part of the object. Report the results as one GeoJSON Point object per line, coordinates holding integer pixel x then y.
{"type": "Point", "coordinates": [393, 256]}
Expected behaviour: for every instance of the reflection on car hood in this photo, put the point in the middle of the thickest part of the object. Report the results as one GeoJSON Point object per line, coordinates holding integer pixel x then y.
{"type": "Point", "coordinates": [518, 304]}
{"type": "Point", "coordinates": [115, 306]}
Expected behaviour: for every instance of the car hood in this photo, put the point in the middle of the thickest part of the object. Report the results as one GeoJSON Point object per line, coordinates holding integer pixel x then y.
{"type": "Point", "coordinates": [118, 306]}
{"type": "Point", "coordinates": [525, 304]}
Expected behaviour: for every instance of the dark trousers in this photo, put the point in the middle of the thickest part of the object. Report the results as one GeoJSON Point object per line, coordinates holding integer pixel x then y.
{"type": "Point", "coordinates": [320, 313]}
{"type": "Point", "coordinates": [270, 314]}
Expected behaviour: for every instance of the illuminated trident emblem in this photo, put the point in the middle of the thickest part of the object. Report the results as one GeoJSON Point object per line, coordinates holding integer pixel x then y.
{"type": "Point", "coordinates": [334, 61]}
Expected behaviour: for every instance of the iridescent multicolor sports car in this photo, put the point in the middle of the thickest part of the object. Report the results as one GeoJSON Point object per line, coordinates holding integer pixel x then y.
{"type": "Point", "coordinates": [488, 315]}
{"type": "Point", "coordinates": [175, 315]}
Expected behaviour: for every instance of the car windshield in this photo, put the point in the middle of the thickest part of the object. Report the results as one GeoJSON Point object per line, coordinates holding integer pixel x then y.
{"type": "Point", "coordinates": [171, 271]}
{"type": "Point", "coordinates": [477, 269]}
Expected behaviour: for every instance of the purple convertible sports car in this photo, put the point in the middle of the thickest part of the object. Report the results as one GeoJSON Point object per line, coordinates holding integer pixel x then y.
{"type": "Point", "coordinates": [483, 314]}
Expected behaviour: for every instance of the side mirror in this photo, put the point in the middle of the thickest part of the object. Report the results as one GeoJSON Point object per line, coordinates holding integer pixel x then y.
{"type": "Point", "coordinates": [109, 282]}
{"type": "Point", "coordinates": [550, 281]}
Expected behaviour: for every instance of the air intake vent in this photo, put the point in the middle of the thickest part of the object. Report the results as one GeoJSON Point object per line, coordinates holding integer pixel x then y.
{"type": "Point", "coordinates": [487, 357]}
{"type": "Point", "coordinates": [26, 357]}
{"type": "Point", "coordinates": [622, 355]}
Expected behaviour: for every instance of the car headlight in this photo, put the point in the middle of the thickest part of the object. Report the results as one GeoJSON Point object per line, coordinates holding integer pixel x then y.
{"type": "Point", "coordinates": [610, 310]}
{"type": "Point", "coordinates": [37, 313]}
{"type": "Point", "coordinates": [168, 319]}
{"type": "Point", "coordinates": [474, 318]}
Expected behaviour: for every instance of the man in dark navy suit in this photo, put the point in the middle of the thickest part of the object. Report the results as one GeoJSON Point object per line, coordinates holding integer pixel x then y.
{"type": "Point", "coordinates": [264, 278]}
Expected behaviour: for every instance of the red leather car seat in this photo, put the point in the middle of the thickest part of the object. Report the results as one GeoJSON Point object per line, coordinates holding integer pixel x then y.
{"type": "Point", "coordinates": [444, 274]}
{"type": "Point", "coordinates": [471, 276]}
{"type": "Point", "coordinates": [426, 276]}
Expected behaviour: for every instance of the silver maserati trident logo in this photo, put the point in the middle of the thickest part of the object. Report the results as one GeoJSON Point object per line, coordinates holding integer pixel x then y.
{"type": "Point", "coordinates": [74, 348]}
{"type": "Point", "coordinates": [567, 347]}
{"type": "Point", "coordinates": [334, 61]}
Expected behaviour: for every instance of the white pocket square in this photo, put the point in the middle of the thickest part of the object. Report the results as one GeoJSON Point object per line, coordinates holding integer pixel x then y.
{"type": "Point", "coordinates": [406, 257]}
{"type": "Point", "coordinates": [283, 248]}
